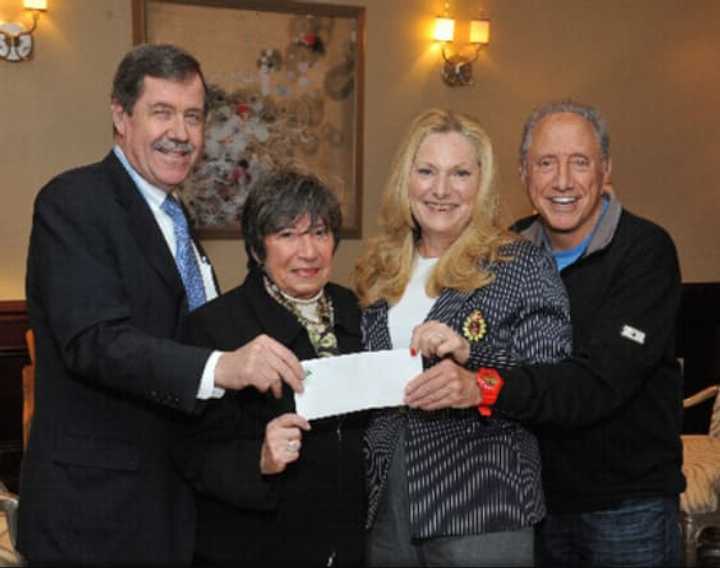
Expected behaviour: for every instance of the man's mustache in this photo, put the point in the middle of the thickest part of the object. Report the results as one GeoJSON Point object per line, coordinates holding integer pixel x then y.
{"type": "Point", "coordinates": [169, 145]}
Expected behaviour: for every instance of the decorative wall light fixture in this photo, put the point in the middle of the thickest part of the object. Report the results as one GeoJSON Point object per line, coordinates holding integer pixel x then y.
{"type": "Point", "coordinates": [457, 69]}
{"type": "Point", "coordinates": [16, 41]}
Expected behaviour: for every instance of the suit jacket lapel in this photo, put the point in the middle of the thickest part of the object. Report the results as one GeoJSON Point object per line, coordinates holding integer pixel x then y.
{"type": "Point", "coordinates": [375, 329]}
{"type": "Point", "coordinates": [275, 320]}
{"type": "Point", "coordinates": [143, 226]}
{"type": "Point", "coordinates": [347, 321]}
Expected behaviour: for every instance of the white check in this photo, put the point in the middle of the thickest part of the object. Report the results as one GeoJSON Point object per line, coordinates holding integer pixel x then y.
{"type": "Point", "coordinates": [348, 383]}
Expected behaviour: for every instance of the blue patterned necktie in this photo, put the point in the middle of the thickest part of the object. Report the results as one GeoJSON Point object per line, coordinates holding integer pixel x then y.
{"type": "Point", "coordinates": [185, 254]}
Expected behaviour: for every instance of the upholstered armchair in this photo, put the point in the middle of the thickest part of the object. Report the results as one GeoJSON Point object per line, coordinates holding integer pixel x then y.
{"type": "Point", "coordinates": [8, 527]}
{"type": "Point", "coordinates": [700, 503]}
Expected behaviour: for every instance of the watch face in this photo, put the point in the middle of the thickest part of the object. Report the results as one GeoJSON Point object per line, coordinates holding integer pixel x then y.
{"type": "Point", "coordinates": [490, 380]}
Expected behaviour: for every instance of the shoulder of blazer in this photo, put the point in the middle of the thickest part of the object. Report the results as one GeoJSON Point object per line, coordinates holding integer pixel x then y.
{"type": "Point", "coordinates": [523, 261]}
{"type": "Point", "coordinates": [520, 250]}
{"type": "Point", "coordinates": [80, 189]}
{"type": "Point", "coordinates": [94, 188]}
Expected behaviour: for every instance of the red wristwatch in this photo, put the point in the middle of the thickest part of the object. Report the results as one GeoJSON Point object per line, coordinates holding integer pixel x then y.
{"type": "Point", "coordinates": [490, 383]}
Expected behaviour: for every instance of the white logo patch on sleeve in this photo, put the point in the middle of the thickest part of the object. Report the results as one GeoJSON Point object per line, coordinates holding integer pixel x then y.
{"type": "Point", "coordinates": [633, 334]}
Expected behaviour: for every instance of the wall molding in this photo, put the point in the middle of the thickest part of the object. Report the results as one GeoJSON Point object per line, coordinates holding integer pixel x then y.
{"type": "Point", "coordinates": [13, 323]}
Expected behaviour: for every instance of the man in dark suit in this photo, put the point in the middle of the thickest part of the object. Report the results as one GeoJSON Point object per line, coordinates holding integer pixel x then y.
{"type": "Point", "coordinates": [112, 271]}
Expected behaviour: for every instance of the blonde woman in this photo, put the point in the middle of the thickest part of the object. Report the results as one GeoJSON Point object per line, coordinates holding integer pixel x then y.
{"type": "Point", "coordinates": [451, 483]}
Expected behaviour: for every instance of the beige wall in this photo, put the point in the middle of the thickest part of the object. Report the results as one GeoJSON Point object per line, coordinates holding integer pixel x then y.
{"type": "Point", "coordinates": [650, 65]}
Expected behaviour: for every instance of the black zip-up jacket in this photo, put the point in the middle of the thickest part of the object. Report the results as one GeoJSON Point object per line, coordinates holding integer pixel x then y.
{"type": "Point", "coordinates": [609, 418]}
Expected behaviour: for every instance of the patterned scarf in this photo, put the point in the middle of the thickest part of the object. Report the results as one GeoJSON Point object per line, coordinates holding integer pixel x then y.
{"type": "Point", "coordinates": [316, 315]}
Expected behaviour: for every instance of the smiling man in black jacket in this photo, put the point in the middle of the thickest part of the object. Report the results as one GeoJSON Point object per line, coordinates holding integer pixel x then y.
{"type": "Point", "coordinates": [609, 418]}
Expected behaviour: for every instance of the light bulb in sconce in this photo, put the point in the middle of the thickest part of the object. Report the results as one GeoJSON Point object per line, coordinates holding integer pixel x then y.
{"type": "Point", "coordinates": [16, 40]}
{"type": "Point", "coordinates": [40, 5]}
{"type": "Point", "coordinates": [444, 29]}
{"type": "Point", "coordinates": [480, 32]}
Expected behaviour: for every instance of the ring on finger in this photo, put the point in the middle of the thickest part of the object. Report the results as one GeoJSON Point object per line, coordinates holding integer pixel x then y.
{"type": "Point", "coordinates": [293, 446]}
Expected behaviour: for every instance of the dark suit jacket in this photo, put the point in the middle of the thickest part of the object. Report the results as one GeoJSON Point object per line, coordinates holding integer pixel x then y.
{"type": "Point", "coordinates": [316, 506]}
{"type": "Point", "coordinates": [106, 304]}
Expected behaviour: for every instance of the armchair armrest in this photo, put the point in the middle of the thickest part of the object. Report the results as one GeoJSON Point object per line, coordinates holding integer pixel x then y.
{"type": "Point", "coordinates": [702, 396]}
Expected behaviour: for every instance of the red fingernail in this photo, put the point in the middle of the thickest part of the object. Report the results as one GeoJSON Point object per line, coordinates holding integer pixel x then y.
{"type": "Point", "coordinates": [413, 352]}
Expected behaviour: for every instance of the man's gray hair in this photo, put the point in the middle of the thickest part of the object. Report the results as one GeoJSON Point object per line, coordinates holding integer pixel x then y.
{"type": "Point", "coordinates": [588, 112]}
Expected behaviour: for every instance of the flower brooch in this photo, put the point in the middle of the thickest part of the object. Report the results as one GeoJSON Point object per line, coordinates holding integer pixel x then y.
{"type": "Point", "coordinates": [475, 326]}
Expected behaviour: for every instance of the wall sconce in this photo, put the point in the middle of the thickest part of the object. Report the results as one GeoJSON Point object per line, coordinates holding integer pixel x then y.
{"type": "Point", "coordinates": [16, 41]}
{"type": "Point", "coordinates": [457, 69]}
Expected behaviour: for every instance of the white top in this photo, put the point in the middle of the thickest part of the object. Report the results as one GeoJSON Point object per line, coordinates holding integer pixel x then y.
{"type": "Point", "coordinates": [414, 306]}
{"type": "Point", "coordinates": [154, 197]}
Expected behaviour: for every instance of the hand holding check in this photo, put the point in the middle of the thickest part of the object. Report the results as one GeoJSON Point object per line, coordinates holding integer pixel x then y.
{"type": "Point", "coordinates": [263, 363]}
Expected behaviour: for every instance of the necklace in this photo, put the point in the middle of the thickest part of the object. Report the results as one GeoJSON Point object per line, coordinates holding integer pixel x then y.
{"type": "Point", "coordinates": [315, 314]}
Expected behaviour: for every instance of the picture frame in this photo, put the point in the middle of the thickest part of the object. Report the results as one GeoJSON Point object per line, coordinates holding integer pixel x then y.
{"type": "Point", "coordinates": [286, 89]}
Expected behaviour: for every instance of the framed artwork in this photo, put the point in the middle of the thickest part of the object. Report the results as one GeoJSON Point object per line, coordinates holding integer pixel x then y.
{"type": "Point", "coordinates": [285, 89]}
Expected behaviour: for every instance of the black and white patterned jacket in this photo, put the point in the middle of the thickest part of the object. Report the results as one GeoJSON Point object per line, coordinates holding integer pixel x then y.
{"type": "Point", "coordinates": [468, 474]}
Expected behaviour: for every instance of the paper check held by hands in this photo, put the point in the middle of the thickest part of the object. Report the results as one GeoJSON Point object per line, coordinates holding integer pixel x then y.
{"type": "Point", "coordinates": [348, 383]}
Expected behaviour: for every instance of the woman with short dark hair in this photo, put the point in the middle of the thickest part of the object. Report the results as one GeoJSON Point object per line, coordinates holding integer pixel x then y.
{"type": "Point", "coordinates": [271, 488]}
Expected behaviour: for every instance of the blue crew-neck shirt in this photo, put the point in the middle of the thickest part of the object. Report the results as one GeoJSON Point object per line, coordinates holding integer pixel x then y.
{"type": "Point", "coordinates": [564, 258]}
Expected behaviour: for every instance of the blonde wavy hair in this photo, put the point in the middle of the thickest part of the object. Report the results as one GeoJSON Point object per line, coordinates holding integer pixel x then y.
{"type": "Point", "coordinates": [383, 269]}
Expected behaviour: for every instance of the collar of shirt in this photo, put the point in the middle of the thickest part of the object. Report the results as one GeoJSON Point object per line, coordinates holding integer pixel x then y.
{"type": "Point", "coordinates": [153, 195]}
{"type": "Point", "coordinates": [565, 258]}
